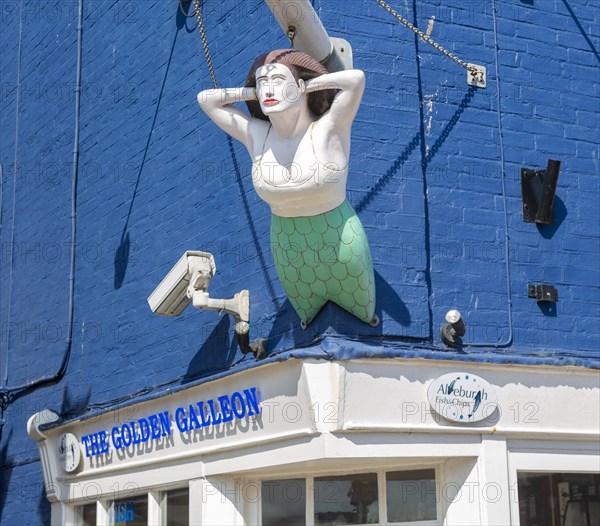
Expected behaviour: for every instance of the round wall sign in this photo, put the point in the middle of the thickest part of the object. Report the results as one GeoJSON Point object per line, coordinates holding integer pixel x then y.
{"type": "Point", "coordinates": [69, 454]}
{"type": "Point", "coordinates": [462, 397]}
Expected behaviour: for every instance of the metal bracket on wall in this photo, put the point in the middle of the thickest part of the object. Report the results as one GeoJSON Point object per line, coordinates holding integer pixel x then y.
{"type": "Point", "coordinates": [538, 188]}
{"type": "Point", "coordinates": [542, 292]}
{"type": "Point", "coordinates": [341, 55]}
{"type": "Point", "coordinates": [477, 76]}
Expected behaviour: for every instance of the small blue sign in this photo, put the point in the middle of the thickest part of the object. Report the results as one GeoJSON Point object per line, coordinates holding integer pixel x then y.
{"type": "Point", "coordinates": [123, 512]}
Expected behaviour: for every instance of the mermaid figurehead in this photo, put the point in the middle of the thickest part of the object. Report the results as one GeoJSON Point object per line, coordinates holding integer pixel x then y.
{"type": "Point", "coordinates": [298, 137]}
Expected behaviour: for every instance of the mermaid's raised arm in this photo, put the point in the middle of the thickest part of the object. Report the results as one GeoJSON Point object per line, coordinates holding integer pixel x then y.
{"type": "Point", "coordinates": [218, 105]}
{"type": "Point", "coordinates": [350, 85]}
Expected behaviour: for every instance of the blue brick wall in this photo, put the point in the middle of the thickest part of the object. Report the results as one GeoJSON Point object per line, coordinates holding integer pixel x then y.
{"type": "Point", "coordinates": [429, 155]}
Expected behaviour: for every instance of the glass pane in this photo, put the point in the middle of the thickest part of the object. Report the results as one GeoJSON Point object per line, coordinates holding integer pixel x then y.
{"type": "Point", "coordinates": [559, 499]}
{"type": "Point", "coordinates": [284, 502]}
{"type": "Point", "coordinates": [130, 512]}
{"type": "Point", "coordinates": [86, 515]}
{"type": "Point", "coordinates": [411, 495]}
{"type": "Point", "coordinates": [178, 507]}
{"type": "Point", "coordinates": [349, 499]}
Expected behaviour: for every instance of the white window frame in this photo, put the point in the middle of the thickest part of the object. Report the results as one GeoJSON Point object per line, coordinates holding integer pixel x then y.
{"type": "Point", "coordinates": [550, 457]}
{"type": "Point", "coordinates": [381, 495]}
{"type": "Point", "coordinates": [157, 510]}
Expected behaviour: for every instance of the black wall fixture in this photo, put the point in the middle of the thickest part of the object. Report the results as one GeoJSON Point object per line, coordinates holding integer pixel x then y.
{"type": "Point", "coordinates": [538, 188]}
{"type": "Point", "coordinates": [542, 293]}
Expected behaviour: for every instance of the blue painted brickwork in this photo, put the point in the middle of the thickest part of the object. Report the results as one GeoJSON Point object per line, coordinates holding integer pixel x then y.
{"type": "Point", "coordinates": [157, 178]}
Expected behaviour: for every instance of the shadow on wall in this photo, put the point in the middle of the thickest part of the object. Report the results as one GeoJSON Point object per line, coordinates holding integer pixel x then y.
{"type": "Point", "coordinates": [581, 30]}
{"type": "Point", "coordinates": [548, 309]}
{"type": "Point", "coordinates": [394, 306]}
{"type": "Point", "coordinates": [388, 301]}
{"type": "Point", "coordinates": [70, 407]}
{"type": "Point", "coordinates": [121, 258]}
{"type": "Point", "coordinates": [464, 104]}
{"type": "Point", "coordinates": [215, 354]}
{"type": "Point", "coordinates": [44, 509]}
{"type": "Point", "coordinates": [389, 174]}
{"type": "Point", "coordinates": [547, 231]}
{"type": "Point", "coordinates": [5, 473]}
{"type": "Point", "coordinates": [287, 323]}
{"type": "Point", "coordinates": [417, 139]}
{"type": "Point", "coordinates": [577, 23]}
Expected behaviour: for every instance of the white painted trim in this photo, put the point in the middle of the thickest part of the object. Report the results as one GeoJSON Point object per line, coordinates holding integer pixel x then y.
{"type": "Point", "coordinates": [102, 513]}
{"type": "Point", "coordinates": [551, 445]}
{"type": "Point", "coordinates": [550, 457]}
{"type": "Point", "coordinates": [460, 492]}
{"type": "Point", "coordinates": [382, 496]}
{"type": "Point", "coordinates": [310, 501]}
{"type": "Point", "coordinates": [252, 506]}
{"type": "Point", "coordinates": [493, 473]}
{"type": "Point", "coordinates": [504, 431]}
{"type": "Point", "coordinates": [196, 486]}
{"type": "Point", "coordinates": [156, 510]}
{"type": "Point", "coordinates": [568, 461]}
{"type": "Point", "coordinates": [62, 514]}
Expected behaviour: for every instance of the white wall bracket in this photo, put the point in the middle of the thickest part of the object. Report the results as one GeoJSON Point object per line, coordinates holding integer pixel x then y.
{"type": "Point", "coordinates": [299, 21]}
{"type": "Point", "coordinates": [477, 78]}
{"type": "Point", "coordinates": [341, 55]}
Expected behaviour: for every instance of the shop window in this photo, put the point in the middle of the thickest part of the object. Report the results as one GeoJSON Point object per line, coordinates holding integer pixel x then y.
{"type": "Point", "coordinates": [559, 499]}
{"type": "Point", "coordinates": [349, 499]}
{"type": "Point", "coordinates": [177, 507]}
{"type": "Point", "coordinates": [284, 502]}
{"type": "Point", "coordinates": [411, 498]}
{"type": "Point", "coordinates": [86, 515]}
{"type": "Point", "coordinates": [129, 512]}
{"type": "Point", "coordinates": [411, 495]}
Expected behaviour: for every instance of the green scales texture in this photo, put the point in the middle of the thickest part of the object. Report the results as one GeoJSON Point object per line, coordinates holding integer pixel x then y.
{"type": "Point", "coordinates": [324, 258]}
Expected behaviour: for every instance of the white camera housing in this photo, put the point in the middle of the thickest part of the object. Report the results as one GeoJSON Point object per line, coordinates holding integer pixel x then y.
{"type": "Point", "coordinates": [187, 282]}
{"type": "Point", "coordinates": [194, 270]}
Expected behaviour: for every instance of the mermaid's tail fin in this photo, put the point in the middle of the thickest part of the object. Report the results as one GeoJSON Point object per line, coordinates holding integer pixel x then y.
{"type": "Point", "coordinates": [325, 258]}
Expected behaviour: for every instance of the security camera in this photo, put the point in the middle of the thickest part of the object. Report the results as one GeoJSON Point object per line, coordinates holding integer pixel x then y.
{"type": "Point", "coordinates": [188, 281]}
{"type": "Point", "coordinates": [193, 271]}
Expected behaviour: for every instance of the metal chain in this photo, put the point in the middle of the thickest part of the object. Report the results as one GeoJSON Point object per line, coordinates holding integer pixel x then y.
{"type": "Point", "coordinates": [184, 13]}
{"type": "Point", "coordinates": [209, 62]}
{"type": "Point", "coordinates": [426, 38]}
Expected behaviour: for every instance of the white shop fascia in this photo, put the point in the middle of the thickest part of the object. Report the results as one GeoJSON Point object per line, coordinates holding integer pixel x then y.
{"type": "Point", "coordinates": [303, 419]}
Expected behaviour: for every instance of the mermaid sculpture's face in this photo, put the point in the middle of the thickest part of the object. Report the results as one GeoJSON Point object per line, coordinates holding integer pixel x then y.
{"type": "Point", "coordinates": [277, 89]}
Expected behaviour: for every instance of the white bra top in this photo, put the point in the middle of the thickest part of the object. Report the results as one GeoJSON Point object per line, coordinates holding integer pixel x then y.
{"type": "Point", "coordinates": [305, 188]}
